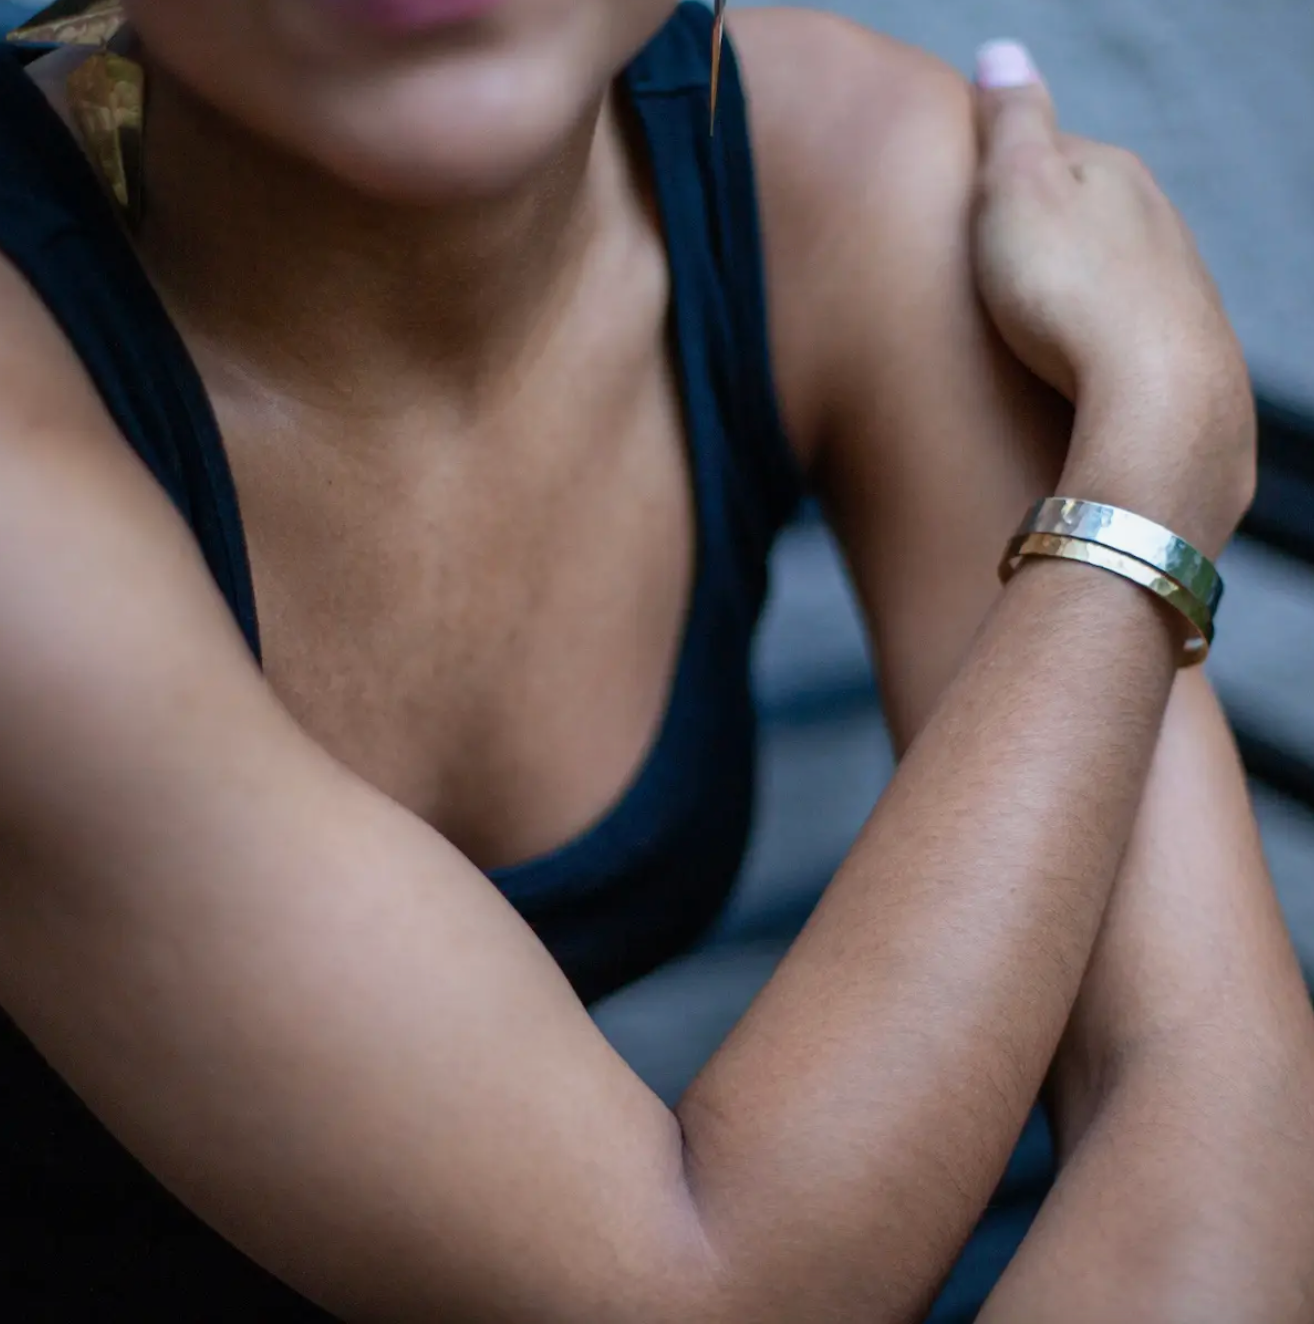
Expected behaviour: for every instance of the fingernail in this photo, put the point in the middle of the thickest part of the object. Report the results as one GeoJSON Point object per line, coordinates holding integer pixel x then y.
{"type": "Point", "coordinates": [1005, 64]}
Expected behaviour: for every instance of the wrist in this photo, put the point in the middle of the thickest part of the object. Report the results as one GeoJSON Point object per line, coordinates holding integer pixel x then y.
{"type": "Point", "coordinates": [1133, 479]}
{"type": "Point", "coordinates": [1169, 447]}
{"type": "Point", "coordinates": [1174, 510]}
{"type": "Point", "coordinates": [1102, 590]}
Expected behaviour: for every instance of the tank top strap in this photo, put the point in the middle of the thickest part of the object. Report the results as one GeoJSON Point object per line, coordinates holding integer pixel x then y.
{"type": "Point", "coordinates": [708, 199]}
{"type": "Point", "coordinates": [61, 232]}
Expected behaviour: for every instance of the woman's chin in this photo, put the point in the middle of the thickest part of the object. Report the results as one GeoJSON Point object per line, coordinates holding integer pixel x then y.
{"type": "Point", "coordinates": [419, 169]}
{"type": "Point", "coordinates": [460, 109]}
{"type": "Point", "coordinates": [444, 139]}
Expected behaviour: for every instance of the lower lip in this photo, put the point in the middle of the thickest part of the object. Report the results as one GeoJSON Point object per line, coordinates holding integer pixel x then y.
{"type": "Point", "coordinates": [403, 16]}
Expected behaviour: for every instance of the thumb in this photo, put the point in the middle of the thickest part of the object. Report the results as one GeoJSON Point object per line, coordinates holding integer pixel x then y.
{"type": "Point", "coordinates": [1015, 105]}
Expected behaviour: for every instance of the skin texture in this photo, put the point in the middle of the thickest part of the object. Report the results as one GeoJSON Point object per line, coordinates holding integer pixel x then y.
{"type": "Point", "coordinates": [241, 915]}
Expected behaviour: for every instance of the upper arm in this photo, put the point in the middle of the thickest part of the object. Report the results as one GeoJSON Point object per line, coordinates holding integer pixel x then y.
{"type": "Point", "coordinates": [296, 1004]}
{"type": "Point", "coordinates": [927, 441]}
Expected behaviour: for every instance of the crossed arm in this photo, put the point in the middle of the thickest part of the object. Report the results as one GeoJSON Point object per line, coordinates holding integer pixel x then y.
{"type": "Point", "coordinates": [325, 1031]}
{"type": "Point", "coordinates": [1185, 1077]}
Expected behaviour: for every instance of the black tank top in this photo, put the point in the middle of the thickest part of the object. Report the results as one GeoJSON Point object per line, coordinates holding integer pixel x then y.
{"type": "Point", "coordinates": [85, 1233]}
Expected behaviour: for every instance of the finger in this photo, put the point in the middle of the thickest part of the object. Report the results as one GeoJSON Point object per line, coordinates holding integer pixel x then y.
{"type": "Point", "coordinates": [1076, 152]}
{"type": "Point", "coordinates": [1015, 106]}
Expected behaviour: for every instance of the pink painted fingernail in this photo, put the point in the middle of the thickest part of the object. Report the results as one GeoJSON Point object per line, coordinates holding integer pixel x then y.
{"type": "Point", "coordinates": [1001, 64]}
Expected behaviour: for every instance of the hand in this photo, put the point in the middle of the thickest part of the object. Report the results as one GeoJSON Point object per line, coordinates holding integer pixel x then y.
{"type": "Point", "coordinates": [1095, 283]}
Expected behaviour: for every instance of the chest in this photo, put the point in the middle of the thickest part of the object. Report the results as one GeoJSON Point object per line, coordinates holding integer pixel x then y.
{"type": "Point", "coordinates": [485, 622]}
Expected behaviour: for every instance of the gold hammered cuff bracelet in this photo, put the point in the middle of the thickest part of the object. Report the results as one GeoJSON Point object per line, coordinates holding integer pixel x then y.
{"type": "Point", "coordinates": [1130, 546]}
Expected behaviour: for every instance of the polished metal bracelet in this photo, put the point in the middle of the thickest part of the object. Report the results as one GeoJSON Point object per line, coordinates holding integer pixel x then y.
{"type": "Point", "coordinates": [1201, 634]}
{"type": "Point", "coordinates": [1131, 546]}
{"type": "Point", "coordinates": [1133, 535]}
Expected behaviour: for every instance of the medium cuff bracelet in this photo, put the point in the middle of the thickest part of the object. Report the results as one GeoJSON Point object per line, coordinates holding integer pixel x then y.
{"type": "Point", "coordinates": [1131, 546]}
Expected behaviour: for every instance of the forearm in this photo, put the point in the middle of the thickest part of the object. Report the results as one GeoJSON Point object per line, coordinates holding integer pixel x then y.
{"type": "Point", "coordinates": [1182, 1093]}
{"type": "Point", "coordinates": [1185, 1202]}
{"type": "Point", "coordinates": [1193, 955]}
{"type": "Point", "coordinates": [872, 1095]}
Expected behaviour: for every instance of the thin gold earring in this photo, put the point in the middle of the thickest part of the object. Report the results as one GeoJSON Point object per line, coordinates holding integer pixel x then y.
{"type": "Point", "coordinates": [106, 92]}
{"type": "Point", "coordinates": [718, 38]}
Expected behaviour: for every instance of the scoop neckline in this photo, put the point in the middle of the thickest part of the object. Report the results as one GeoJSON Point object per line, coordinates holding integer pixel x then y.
{"type": "Point", "coordinates": [607, 832]}
{"type": "Point", "coordinates": [610, 828]}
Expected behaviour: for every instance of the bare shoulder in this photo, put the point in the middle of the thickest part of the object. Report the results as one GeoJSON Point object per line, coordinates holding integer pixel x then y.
{"type": "Point", "coordinates": [866, 151]}
{"type": "Point", "coordinates": [54, 428]}
{"type": "Point", "coordinates": [103, 593]}
{"type": "Point", "coordinates": [823, 87]}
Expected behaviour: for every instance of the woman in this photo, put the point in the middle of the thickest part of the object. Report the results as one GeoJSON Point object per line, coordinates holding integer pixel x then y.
{"type": "Point", "coordinates": [308, 944]}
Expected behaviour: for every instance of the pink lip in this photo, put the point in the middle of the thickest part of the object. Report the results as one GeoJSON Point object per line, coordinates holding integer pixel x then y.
{"type": "Point", "coordinates": [403, 16]}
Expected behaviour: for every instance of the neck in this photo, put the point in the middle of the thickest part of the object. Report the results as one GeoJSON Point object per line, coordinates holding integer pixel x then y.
{"type": "Point", "coordinates": [320, 291]}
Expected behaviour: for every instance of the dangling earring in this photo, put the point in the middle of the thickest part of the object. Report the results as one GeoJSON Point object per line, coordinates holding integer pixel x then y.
{"type": "Point", "coordinates": [106, 92]}
{"type": "Point", "coordinates": [718, 39]}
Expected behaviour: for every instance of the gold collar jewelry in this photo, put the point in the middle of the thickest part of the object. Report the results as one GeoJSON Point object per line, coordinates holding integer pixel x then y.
{"type": "Point", "coordinates": [106, 92]}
